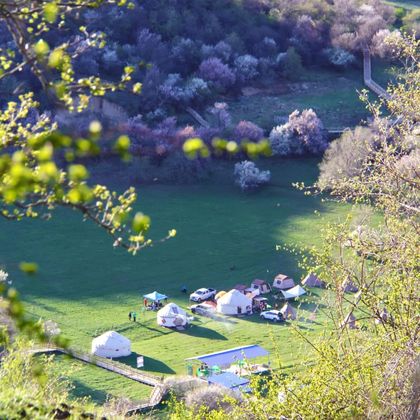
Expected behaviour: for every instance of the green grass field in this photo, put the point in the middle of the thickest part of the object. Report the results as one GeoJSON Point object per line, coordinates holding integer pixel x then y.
{"type": "Point", "coordinates": [224, 237]}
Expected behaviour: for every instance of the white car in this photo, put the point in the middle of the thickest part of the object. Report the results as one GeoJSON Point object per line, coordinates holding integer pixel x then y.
{"type": "Point", "coordinates": [203, 294]}
{"type": "Point", "coordinates": [203, 309]}
{"type": "Point", "coordinates": [272, 315]}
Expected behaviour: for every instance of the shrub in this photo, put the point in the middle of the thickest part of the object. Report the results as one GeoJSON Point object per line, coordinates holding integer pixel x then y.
{"type": "Point", "coordinates": [176, 91]}
{"type": "Point", "coordinates": [246, 130]}
{"type": "Point", "coordinates": [291, 64]}
{"type": "Point", "coordinates": [246, 67]}
{"type": "Point", "coordinates": [339, 57]}
{"type": "Point", "coordinates": [280, 140]}
{"type": "Point", "coordinates": [223, 50]}
{"type": "Point", "coordinates": [248, 176]}
{"type": "Point", "coordinates": [151, 48]}
{"type": "Point", "coordinates": [220, 111]}
{"type": "Point", "coordinates": [219, 74]}
{"type": "Point", "coordinates": [185, 55]}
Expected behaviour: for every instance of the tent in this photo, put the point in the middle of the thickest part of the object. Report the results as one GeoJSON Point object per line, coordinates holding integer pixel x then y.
{"type": "Point", "coordinates": [171, 315]}
{"type": "Point", "coordinates": [261, 285]}
{"type": "Point", "coordinates": [288, 311]}
{"type": "Point", "coordinates": [241, 288]}
{"type": "Point", "coordinates": [349, 321]}
{"type": "Point", "coordinates": [111, 344]}
{"type": "Point", "coordinates": [349, 287]}
{"type": "Point", "coordinates": [155, 296]}
{"type": "Point", "coordinates": [294, 292]}
{"type": "Point", "coordinates": [234, 303]}
{"type": "Point", "coordinates": [283, 282]}
{"type": "Point", "coordinates": [219, 295]}
{"type": "Point", "coordinates": [311, 280]}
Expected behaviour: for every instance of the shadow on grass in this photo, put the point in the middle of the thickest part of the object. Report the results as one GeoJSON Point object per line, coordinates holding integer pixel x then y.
{"type": "Point", "coordinates": [150, 364]}
{"type": "Point", "coordinates": [81, 390]}
{"type": "Point", "coordinates": [204, 332]}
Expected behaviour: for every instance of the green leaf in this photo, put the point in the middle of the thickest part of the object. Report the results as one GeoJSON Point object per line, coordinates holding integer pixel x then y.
{"type": "Point", "coordinates": [141, 222]}
{"type": "Point", "coordinates": [41, 48]}
{"type": "Point", "coordinates": [51, 12]}
{"type": "Point", "coordinates": [28, 267]}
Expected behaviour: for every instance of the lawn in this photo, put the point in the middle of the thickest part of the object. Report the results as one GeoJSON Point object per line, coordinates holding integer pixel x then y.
{"type": "Point", "coordinates": [333, 95]}
{"type": "Point", "coordinates": [224, 237]}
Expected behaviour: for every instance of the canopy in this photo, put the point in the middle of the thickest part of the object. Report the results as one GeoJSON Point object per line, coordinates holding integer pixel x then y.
{"type": "Point", "coordinates": [228, 380]}
{"type": "Point", "coordinates": [294, 292]}
{"type": "Point", "coordinates": [227, 357]}
{"type": "Point", "coordinates": [155, 296]}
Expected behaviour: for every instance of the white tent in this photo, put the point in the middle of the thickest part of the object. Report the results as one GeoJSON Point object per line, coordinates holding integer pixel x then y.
{"type": "Point", "coordinates": [288, 311]}
{"type": "Point", "coordinates": [234, 303]}
{"type": "Point", "coordinates": [294, 292]}
{"type": "Point", "coordinates": [311, 280]}
{"type": "Point", "coordinates": [111, 344]}
{"type": "Point", "coordinates": [171, 315]}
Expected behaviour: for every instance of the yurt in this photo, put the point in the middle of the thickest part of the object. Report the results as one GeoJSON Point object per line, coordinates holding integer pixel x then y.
{"type": "Point", "coordinates": [241, 288]}
{"type": "Point", "coordinates": [283, 282]}
{"type": "Point", "coordinates": [234, 303]}
{"type": "Point", "coordinates": [349, 287]}
{"type": "Point", "coordinates": [111, 344]}
{"type": "Point", "coordinates": [311, 280]}
{"type": "Point", "coordinates": [349, 321]}
{"type": "Point", "coordinates": [288, 311]}
{"type": "Point", "coordinates": [171, 316]}
{"type": "Point", "coordinates": [261, 285]}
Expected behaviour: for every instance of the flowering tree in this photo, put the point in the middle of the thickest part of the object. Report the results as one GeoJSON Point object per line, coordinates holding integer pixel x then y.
{"type": "Point", "coordinates": [246, 67]}
{"type": "Point", "coordinates": [246, 130]}
{"type": "Point", "coordinates": [218, 74]}
{"type": "Point", "coordinates": [248, 176]}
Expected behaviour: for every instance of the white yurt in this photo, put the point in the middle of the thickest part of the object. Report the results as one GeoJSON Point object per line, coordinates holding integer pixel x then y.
{"type": "Point", "coordinates": [171, 315]}
{"type": "Point", "coordinates": [111, 344]}
{"type": "Point", "coordinates": [234, 303]}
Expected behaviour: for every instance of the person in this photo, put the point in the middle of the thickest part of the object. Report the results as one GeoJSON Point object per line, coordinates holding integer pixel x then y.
{"type": "Point", "coordinates": [276, 306]}
{"type": "Point", "coordinates": [145, 302]}
{"type": "Point", "coordinates": [129, 316]}
{"type": "Point", "coordinates": [134, 316]}
{"type": "Point", "coordinates": [184, 289]}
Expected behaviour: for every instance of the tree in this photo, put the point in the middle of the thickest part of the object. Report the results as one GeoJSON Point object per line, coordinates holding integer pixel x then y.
{"type": "Point", "coordinates": [291, 64]}
{"type": "Point", "coordinates": [248, 176]}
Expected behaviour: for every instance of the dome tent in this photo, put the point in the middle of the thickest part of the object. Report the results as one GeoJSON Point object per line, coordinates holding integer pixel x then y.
{"type": "Point", "coordinates": [311, 280]}
{"type": "Point", "coordinates": [171, 316]}
{"type": "Point", "coordinates": [283, 282]}
{"type": "Point", "coordinates": [111, 344]}
{"type": "Point", "coordinates": [234, 303]}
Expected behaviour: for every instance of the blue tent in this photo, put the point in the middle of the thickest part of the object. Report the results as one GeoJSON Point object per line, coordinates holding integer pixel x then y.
{"type": "Point", "coordinates": [228, 380]}
{"type": "Point", "coordinates": [155, 296]}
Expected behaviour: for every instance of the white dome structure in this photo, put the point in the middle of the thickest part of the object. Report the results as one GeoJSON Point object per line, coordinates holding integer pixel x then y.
{"type": "Point", "coordinates": [171, 316]}
{"type": "Point", "coordinates": [111, 344]}
{"type": "Point", "coordinates": [234, 303]}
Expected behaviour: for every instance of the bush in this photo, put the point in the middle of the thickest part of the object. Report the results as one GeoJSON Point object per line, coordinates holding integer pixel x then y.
{"type": "Point", "coordinates": [248, 176]}
{"type": "Point", "coordinates": [339, 57]}
{"type": "Point", "coordinates": [280, 141]}
{"type": "Point", "coordinates": [223, 117]}
{"type": "Point", "coordinates": [246, 130]}
{"type": "Point", "coordinates": [246, 68]}
{"type": "Point", "coordinates": [291, 64]}
{"type": "Point", "coordinates": [219, 74]}
{"type": "Point", "coordinates": [178, 92]}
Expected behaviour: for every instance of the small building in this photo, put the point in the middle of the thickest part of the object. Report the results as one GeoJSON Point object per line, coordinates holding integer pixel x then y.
{"type": "Point", "coordinates": [111, 344]}
{"type": "Point", "coordinates": [241, 288]}
{"type": "Point", "coordinates": [311, 280]}
{"type": "Point", "coordinates": [283, 282]}
{"type": "Point", "coordinates": [171, 316]}
{"type": "Point", "coordinates": [288, 311]}
{"type": "Point", "coordinates": [261, 285]}
{"type": "Point", "coordinates": [234, 303]}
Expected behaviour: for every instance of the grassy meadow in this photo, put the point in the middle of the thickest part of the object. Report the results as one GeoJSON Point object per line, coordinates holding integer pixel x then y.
{"type": "Point", "coordinates": [224, 237]}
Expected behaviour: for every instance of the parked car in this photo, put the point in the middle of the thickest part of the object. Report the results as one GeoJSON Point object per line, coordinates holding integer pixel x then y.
{"type": "Point", "coordinates": [273, 315]}
{"type": "Point", "coordinates": [203, 294]}
{"type": "Point", "coordinates": [203, 309]}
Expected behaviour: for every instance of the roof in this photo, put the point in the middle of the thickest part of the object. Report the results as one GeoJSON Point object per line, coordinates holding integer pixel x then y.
{"type": "Point", "coordinates": [282, 277]}
{"type": "Point", "coordinates": [259, 282]}
{"type": "Point", "coordinates": [111, 339]}
{"type": "Point", "coordinates": [155, 296]}
{"type": "Point", "coordinates": [171, 309]}
{"type": "Point", "coordinates": [240, 287]}
{"type": "Point", "coordinates": [228, 380]}
{"type": "Point", "coordinates": [230, 356]}
{"type": "Point", "coordinates": [235, 298]}
{"type": "Point", "coordinates": [294, 292]}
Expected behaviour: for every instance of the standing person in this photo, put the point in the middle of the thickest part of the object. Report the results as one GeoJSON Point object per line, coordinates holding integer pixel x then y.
{"type": "Point", "coordinates": [145, 302]}
{"type": "Point", "coordinates": [129, 316]}
{"type": "Point", "coordinates": [134, 316]}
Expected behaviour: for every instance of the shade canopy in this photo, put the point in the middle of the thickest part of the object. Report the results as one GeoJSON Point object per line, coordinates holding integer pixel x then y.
{"type": "Point", "coordinates": [155, 296]}
{"type": "Point", "coordinates": [228, 380]}
{"type": "Point", "coordinates": [294, 292]}
{"type": "Point", "coordinates": [227, 357]}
